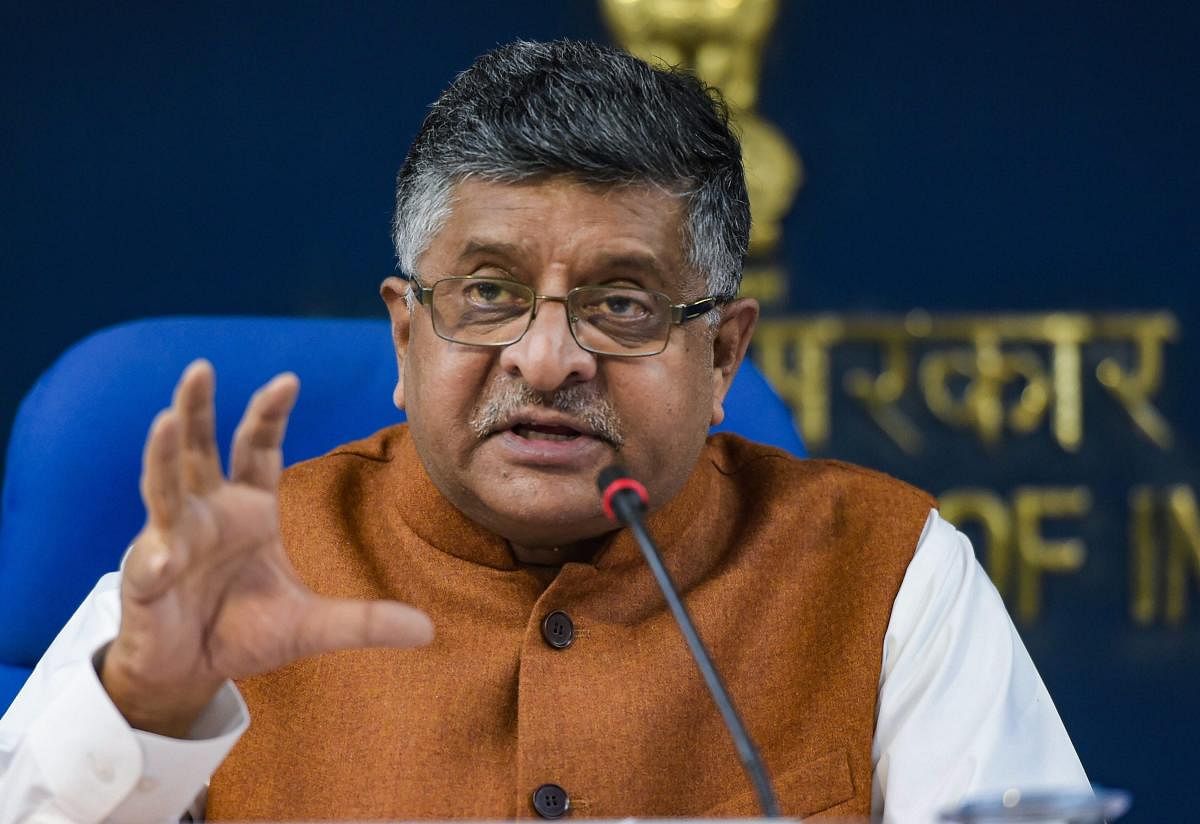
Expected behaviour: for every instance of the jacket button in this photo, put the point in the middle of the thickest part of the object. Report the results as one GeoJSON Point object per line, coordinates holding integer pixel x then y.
{"type": "Point", "coordinates": [551, 801]}
{"type": "Point", "coordinates": [558, 630]}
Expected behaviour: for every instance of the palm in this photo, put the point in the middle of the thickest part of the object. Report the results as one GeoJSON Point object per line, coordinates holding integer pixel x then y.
{"type": "Point", "coordinates": [208, 593]}
{"type": "Point", "coordinates": [230, 615]}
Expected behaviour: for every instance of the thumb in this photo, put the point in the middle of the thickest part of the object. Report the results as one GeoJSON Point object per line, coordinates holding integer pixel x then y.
{"type": "Point", "coordinates": [346, 623]}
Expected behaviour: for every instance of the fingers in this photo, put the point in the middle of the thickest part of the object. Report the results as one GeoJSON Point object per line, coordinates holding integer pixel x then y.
{"type": "Point", "coordinates": [193, 403]}
{"type": "Point", "coordinates": [256, 457]}
{"type": "Point", "coordinates": [162, 474]}
{"type": "Point", "coordinates": [342, 623]}
{"type": "Point", "coordinates": [152, 566]}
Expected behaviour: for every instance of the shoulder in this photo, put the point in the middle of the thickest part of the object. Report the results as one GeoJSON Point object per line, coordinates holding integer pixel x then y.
{"type": "Point", "coordinates": [349, 459]}
{"type": "Point", "coordinates": [771, 472]}
{"type": "Point", "coordinates": [866, 520]}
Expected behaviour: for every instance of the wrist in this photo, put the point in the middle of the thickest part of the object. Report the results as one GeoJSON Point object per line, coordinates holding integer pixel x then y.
{"type": "Point", "coordinates": [149, 705]}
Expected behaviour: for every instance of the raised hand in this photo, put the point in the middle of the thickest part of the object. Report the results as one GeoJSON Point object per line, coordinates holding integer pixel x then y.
{"type": "Point", "coordinates": [207, 592]}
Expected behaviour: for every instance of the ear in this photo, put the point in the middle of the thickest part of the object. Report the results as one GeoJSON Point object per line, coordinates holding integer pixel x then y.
{"type": "Point", "coordinates": [393, 291]}
{"type": "Point", "coordinates": [729, 348]}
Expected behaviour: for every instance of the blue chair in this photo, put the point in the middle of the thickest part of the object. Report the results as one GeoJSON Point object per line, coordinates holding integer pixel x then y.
{"type": "Point", "coordinates": [70, 500]}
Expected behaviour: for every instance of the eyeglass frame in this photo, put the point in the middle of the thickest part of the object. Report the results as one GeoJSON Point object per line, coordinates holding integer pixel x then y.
{"type": "Point", "coordinates": [681, 313]}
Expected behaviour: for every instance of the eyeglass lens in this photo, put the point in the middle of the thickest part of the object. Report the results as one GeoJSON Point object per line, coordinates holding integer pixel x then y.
{"type": "Point", "coordinates": [611, 320]}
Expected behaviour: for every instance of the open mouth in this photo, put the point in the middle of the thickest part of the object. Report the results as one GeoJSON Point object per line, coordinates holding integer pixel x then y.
{"type": "Point", "coordinates": [545, 432]}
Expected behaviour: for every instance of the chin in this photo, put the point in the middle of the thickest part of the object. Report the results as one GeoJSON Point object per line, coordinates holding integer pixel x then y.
{"type": "Point", "coordinates": [546, 514]}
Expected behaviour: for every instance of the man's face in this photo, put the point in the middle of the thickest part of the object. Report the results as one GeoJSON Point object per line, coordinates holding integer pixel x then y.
{"type": "Point", "coordinates": [515, 436]}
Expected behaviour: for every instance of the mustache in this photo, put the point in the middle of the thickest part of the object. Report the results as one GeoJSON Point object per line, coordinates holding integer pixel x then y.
{"type": "Point", "coordinates": [584, 402]}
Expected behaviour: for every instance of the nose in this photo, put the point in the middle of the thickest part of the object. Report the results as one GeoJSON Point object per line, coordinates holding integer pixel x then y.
{"type": "Point", "coordinates": [547, 357]}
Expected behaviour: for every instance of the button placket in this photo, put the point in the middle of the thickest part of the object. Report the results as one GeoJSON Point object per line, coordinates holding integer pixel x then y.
{"type": "Point", "coordinates": [550, 653]}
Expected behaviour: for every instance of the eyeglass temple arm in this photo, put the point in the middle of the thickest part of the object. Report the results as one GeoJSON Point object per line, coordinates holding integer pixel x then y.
{"type": "Point", "coordinates": [423, 294]}
{"type": "Point", "coordinates": [683, 312]}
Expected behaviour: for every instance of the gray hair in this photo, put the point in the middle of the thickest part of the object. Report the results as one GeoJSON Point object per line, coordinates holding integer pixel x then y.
{"type": "Point", "coordinates": [591, 112]}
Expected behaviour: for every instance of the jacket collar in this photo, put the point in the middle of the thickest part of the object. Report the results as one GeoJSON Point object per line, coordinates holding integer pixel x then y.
{"type": "Point", "coordinates": [691, 513]}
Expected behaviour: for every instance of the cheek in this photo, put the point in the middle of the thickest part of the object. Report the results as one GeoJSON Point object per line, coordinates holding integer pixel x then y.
{"type": "Point", "coordinates": [442, 383]}
{"type": "Point", "coordinates": [666, 424]}
{"type": "Point", "coordinates": [664, 402]}
{"type": "Point", "coordinates": [691, 383]}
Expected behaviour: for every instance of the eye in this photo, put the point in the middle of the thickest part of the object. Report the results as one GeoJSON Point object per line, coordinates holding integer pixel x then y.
{"type": "Point", "coordinates": [623, 305]}
{"type": "Point", "coordinates": [490, 293]}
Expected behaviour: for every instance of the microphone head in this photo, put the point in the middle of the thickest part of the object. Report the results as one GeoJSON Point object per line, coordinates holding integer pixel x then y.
{"type": "Point", "coordinates": [608, 474]}
{"type": "Point", "coordinates": [616, 481]}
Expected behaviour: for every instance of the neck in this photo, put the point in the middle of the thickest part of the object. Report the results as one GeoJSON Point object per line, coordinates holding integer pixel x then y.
{"type": "Point", "coordinates": [576, 552]}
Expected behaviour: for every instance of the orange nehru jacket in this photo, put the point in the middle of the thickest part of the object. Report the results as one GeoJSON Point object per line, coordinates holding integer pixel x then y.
{"type": "Point", "coordinates": [789, 568]}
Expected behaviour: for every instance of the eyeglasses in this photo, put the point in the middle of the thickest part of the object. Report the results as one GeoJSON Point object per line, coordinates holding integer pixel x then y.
{"type": "Point", "coordinates": [607, 320]}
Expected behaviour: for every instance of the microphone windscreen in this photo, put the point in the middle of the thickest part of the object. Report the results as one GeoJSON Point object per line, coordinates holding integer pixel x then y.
{"type": "Point", "coordinates": [608, 475]}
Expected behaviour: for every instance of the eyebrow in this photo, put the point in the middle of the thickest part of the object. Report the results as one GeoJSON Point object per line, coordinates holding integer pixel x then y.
{"type": "Point", "coordinates": [489, 247]}
{"type": "Point", "coordinates": [632, 261]}
{"type": "Point", "coordinates": [635, 261]}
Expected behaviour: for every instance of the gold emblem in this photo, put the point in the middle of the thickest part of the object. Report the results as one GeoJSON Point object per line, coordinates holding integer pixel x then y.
{"type": "Point", "coordinates": [722, 41]}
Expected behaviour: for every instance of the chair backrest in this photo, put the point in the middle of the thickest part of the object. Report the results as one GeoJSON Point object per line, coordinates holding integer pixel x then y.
{"type": "Point", "coordinates": [70, 499]}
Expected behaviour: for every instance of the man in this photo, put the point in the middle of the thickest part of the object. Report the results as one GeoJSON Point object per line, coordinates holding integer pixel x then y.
{"type": "Point", "coordinates": [572, 224]}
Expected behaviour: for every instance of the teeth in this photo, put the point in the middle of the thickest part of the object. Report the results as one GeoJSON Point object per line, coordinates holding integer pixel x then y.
{"type": "Point", "coordinates": [529, 433]}
{"type": "Point", "coordinates": [534, 435]}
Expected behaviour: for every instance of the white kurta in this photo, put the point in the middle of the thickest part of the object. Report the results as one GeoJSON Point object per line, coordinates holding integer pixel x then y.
{"type": "Point", "coordinates": [962, 711]}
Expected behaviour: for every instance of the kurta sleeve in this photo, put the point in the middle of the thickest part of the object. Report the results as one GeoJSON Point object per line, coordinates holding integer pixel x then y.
{"type": "Point", "coordinates": [962, 711]}
{"type": "Point", "coordinates": [67, 754]}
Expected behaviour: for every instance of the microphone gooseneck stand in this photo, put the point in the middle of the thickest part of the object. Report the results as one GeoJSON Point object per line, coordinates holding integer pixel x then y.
{"type": "Point", "coordinates": [625, 502]}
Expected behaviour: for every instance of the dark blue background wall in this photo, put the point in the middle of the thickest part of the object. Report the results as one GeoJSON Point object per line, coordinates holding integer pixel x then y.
{"type": "Point", "coordinates": [217, 158]}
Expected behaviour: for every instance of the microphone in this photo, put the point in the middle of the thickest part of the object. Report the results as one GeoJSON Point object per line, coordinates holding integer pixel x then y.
{"type": "Point", "coordinates": [625, 502]}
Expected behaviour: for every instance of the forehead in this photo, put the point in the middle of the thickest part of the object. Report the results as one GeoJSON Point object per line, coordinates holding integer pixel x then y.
{"type": "Point", "coordinates": [561, 223]}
